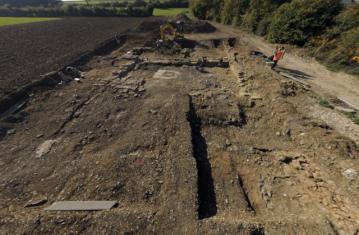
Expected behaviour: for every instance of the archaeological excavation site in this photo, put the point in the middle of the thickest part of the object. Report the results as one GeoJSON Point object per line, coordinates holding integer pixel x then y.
{"type": "Point", "coordinates": [144, 134]}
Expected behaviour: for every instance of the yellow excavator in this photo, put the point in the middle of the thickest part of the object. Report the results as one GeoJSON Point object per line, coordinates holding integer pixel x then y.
{"type": "Point", "coordinates": [170, 33]}
{"type": "Point", "coordinates": [171, 38]}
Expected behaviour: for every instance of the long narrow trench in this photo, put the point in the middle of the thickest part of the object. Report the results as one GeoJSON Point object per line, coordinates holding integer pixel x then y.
{"type": "Point", "coordinates": [207, 204]}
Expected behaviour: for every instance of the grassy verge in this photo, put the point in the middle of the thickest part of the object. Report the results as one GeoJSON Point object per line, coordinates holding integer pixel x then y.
{"type": "Point", "coordinates": [22, 20]}
{"type": "Point", "coordinates": [352, 116]}
{"type": "Point", "coordinates": [325, 104]}
{"type": "Point", "coordinates": [169, 11]}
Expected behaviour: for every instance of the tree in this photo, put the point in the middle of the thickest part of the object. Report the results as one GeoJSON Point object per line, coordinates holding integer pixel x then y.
{"type": "Point", "coordinates": [206, 9]}
{"type": "Point", "coordinates": [339, 45]}
{"type": "Point", "coordinates": [230, 11]}
{"type": "Point", "coordinates": [299, 20]}
{"type": "Point", "coordinates": [259, 13]}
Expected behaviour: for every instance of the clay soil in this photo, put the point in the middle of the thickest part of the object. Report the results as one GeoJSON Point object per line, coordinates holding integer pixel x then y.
{"type": "Point", "coordinates": [183, 150]}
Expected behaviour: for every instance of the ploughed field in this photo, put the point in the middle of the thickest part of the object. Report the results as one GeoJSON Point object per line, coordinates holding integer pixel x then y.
{"type": "Point", "coordinates": [29, 50]}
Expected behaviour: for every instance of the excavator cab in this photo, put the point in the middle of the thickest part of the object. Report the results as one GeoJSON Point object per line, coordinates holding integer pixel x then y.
{"type": "Point", "coordinates": [170, 33]}
{"type": "Point", "coordinates": [170, 39]}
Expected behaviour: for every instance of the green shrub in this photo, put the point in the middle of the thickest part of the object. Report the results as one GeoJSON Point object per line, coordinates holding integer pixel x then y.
{"type": "Point", "coordinates": [199, 8]}
{"type": "Point", "coordinates": [258, 15]}
{"type": "Point", "coordinates": [229, 11]}
{"type": "Point", "coordinates": [296, 22]}
{"type": "Point", "coordinates": [346, 48]}
{"type": "Point", "coordinates": [352, 116]}
{"type": "Point", "coordinates": [263, 26]}
{"type": "Point", "coordinates": [326, 104]}
{"type": "Point", "coordinates": [348, 19]}
{"type": "Point", "coordinates": [340, 43]}
{"type": "Point", "coordinates": [206, 9]}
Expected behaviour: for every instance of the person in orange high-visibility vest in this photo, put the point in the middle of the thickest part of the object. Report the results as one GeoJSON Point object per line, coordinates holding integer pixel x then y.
{"type": "Point", "coordinates": [278, 54]}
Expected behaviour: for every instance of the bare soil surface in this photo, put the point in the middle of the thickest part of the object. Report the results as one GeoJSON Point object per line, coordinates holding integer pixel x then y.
{"type": "Point", "coordinates": [184, 149]}
{"type": "Point", "coordinates": [30, 50]}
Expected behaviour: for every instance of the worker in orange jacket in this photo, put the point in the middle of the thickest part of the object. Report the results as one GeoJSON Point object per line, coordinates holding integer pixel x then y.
{"type": "Point", "coordinates": [278, 54]}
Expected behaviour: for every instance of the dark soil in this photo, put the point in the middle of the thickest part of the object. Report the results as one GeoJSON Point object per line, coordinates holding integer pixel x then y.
{"type": "Point", "coordinates": [192, 26]}
{"type": "Point", "coordinates": [199, 27]}
{"type": "Point", "coordinates": [29, 50]}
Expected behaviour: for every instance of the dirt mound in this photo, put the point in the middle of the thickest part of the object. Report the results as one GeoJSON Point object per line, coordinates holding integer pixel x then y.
{"type": "Point", "coordinates": [200, 27]}
{"type": "Point", "coordinates": [195, 26]}
{"type": "Point", "coordinates": [149, 26]}
{"type": "Point", "coordinates": [183, 17]}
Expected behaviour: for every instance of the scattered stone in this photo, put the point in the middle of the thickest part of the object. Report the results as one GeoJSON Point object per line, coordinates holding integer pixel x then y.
{"type": "Point", "coordinates": [11, 132]}
{"type": "Point", "coordinates": [346, 110]}
{"type": "Point", "coordinates": [73, 72]}
{"type": "Point", "coordinates": [148, 194]}
{"type": "Point", "coordinates": [298, 165]}
{"type": "Point", "coordinates": [141, 89]}
{"type": "Point", "coordinates": [228, 143]}
{"type": "Point", "coordinates": [152, 111]}
{"type": "Point", "coordinates": [287, 132]}
{"type": "Point", "coordinates": [288, 88]}
{"type": "Point", "coordinates": [278, 133]}
{"type": "Point", "coordinates": [69, 110]}
{"type": "Point", "coordinates": [186, 52]}
{"type": "Point", "coordinates": [259, 149]}
{"type": "Point", "coordinates": [36, 202]}
{"type": "Point", "coordinates": [265, 192]}
{"type": "Point", "coordinates": [286, 159]}
{"type": "Point", "coordinates": [39, 135]}
{"type": "Point", "coordinates": [77, 114]}
{"type": "Point", "coordinates": [316, 175]}
{"type": "Point", "coordinates": [45, 148]}
{"type": "Point", "coordinates": [256, 97]}
{"type": "Point", "coordinates": [233, 148]}
{"type": "Point", "coordinates": [350, 173]}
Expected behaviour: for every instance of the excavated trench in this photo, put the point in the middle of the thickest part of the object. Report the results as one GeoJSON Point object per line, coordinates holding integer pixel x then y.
{"type": "Point", "coordinates": [207, 205]}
